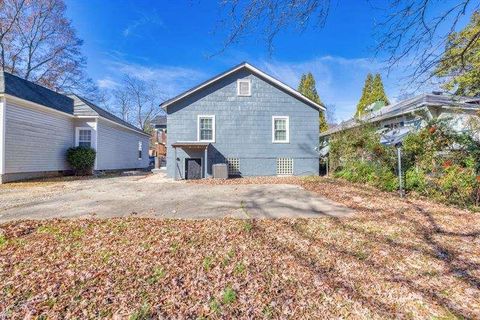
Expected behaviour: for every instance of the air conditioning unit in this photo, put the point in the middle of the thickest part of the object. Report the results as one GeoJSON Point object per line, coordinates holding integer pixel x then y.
{"type": "Point", "coordinates": [220, 171]}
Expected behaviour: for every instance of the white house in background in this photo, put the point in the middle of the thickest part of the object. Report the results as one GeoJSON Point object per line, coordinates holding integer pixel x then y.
{"type": "Point", "coordinates": [462, 114]}
{"type": "Point", "coordinates": [38, 125]}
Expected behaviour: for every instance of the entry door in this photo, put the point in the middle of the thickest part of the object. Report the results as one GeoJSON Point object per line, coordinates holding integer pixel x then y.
{"type": "Point", "coordinates": [193, 169]}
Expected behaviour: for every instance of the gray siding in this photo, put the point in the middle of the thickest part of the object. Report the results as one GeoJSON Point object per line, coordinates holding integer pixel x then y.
{"type": "Point", "coordinates": [36, 140]}
{"type": "Point", "coordinates": [244, 127]}
{"type": "Point", "coordinates": [117, 147]}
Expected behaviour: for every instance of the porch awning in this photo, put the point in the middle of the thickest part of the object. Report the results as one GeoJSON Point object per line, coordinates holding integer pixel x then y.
{"type": "Point", "coordinates": [191, 144]}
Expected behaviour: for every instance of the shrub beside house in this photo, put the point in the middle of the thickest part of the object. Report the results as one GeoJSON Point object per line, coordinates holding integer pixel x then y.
{"type": "Point", "coordinates": [438, 162]}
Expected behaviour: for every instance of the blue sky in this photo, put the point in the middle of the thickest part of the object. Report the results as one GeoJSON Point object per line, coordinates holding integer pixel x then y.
{"type": "Point", "coordinates": [171, 42]}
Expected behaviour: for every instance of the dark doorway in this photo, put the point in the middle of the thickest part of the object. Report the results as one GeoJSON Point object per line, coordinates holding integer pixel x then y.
{"type": "Point", "coordinates": [193, 168]}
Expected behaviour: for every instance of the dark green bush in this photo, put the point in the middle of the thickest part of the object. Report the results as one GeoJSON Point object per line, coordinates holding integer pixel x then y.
{"type": "Point", "coordinates": [437, 162]}
{"type": "Point", "coordinates": [81, 159]}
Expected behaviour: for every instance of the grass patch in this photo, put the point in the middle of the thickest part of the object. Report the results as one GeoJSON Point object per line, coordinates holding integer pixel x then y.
{"type": "Point", "coordinates": [142, 313]}
{"type": "Point", "coordinates": [239, 268]}
{"type": "Point", "coordinates": [158, 273]}
{"type": "Point", "coordinates": [3, 240]}
{"type": "Point", "coordinates": [215, 306]}
{"type": "Point", "coordinates": [229, 296]}
{"type": "Point", "coordinates": [207, 263]}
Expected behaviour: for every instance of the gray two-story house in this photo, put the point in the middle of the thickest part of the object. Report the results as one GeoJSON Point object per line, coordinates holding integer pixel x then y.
{"type": "Point", "coordinates": [246, 118]}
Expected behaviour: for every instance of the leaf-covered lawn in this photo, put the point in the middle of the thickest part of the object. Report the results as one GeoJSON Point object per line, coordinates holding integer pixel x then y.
{"type": "Point", "coordinates": [395, 258]}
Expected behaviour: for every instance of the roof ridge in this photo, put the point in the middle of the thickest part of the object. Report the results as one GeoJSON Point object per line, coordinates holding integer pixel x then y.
{"type": "Point", "coordinates": [253, 69]}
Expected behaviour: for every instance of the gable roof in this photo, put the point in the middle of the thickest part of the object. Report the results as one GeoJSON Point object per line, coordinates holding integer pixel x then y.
{"type": "Point", "coordinates": [97, 111]}
{"type": "Point", "coordinates": [254, 70]}
{"type": "Point", "coordinates": [408, 106]}
{"type": "Point", "coordinates": [160, 120]}
{"type": "Point", "coordinates": [27, 90]}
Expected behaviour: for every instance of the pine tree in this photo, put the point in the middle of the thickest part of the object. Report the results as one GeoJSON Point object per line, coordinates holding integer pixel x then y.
{"type": "Point", "coordinates": [378, 92]}
{"type": "Point", "coordinates": [366, 96]}
{"type": "Point", "coordinates": [307, 88]}
{"type": "Point", "coordinates": [373, 91]}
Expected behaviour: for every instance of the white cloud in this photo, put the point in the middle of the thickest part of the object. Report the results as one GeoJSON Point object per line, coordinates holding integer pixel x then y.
{"type": "Point", "coordinates": [339, 80]}
{"type": "Point", "coordinates": [171, 80]}
{"type": "Point", "coordinates": [144, 19]}
{"type": "Point", "coordinates": [107, 83]}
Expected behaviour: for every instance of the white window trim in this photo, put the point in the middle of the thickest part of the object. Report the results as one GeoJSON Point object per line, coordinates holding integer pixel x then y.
{"type": "Point", "coordinates": [92, 137]}
{"type": "Point", "coordinates": [249, 87]}
{"type": "Point", "coordinates": [140, 148]}
{"type": "Point", "coordinates": [213, 127]}
{"type": "Point", "coordinates": [287, 126]}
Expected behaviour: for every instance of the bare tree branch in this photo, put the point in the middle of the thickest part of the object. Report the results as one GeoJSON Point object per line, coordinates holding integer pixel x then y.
{"type": "Point", "coordinates": [38, 43]}
{"type": "Point", "coordinates": [269, 17]}
{"type": "Point", "coordinates": [415, 33]}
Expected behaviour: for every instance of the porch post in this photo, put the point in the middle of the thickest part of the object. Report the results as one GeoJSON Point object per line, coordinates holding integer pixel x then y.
{"type": "Point", "coordinates": [175, 163]}
{"type": "Point", "coordinates": [206, 161]}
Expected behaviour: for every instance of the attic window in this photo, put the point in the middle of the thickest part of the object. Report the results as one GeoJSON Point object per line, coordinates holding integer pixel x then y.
{"type": "Point", "coordinates": [244, 88]}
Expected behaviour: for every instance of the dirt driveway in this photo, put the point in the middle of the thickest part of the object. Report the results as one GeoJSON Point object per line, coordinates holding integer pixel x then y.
{"type": "Point", "coordinates": [157, 196]}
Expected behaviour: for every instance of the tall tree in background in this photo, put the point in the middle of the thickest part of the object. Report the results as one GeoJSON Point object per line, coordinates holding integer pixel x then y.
{"type": "Point", "coordinates": [366, 96]}
{"type": "Point", "coordinates": [378, 91]}
{"type": "Point", "coordinates": [137, 101]}
{"type": "Point", "coordinates": [38, 43]}
{"type": "Point", "coordinates": [308, 89]}
{"type": "Point", "coordinates": [372, 92]}
{"type": "Point", "coordinates": [459, 67]}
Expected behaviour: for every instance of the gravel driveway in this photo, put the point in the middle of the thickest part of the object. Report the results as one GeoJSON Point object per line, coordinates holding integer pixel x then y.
{"type": "Point", "coordinates": [155, 195]}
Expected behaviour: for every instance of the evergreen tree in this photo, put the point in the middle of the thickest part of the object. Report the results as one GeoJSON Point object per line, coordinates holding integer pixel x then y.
{"type": "Point", "coordinates": [366, 95]}
{"type": "Point", "coordinates": [307, 88]}
{"type": "Point", "coordinates": [378, 92]}
{"type": "Point", "coordinates": [373, 91]}
{"type": "Point", "coordinates": [459, 66]}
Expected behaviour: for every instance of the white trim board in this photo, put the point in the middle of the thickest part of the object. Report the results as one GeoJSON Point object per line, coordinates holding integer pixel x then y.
{"type": "Point", "coordinates": [249, 87]}
{"type": "Point", "coordinates": [3, 116]}
{"type": "Point", "coordinates": [211, 116]}
{"type": "Point", "coordinates": [287, 124]}
{"type": "Point", "coordinates": [254, 70]}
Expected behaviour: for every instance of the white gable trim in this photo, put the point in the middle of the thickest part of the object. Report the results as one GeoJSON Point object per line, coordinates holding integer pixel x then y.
{"type": "Point", "coordinates": [280, 84]}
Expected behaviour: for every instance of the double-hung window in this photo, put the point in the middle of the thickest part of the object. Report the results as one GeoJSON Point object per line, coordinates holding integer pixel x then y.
{"type": "Point", "coordinates": [280, 129]}
{"type": "Point", "coordinates": [84, 137]}
{"type": "Point", "coordinates": [206, 128]}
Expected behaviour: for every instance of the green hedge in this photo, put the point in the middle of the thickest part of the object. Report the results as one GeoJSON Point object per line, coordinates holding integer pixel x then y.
{"type": "Point", "coordinates": [81, 159]}
{"type": "Point", "coordinates": [437, 162]}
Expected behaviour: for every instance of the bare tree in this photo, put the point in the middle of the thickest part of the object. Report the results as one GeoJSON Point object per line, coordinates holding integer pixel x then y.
{"type": "Point", "coordinates": [123, 101]}
{"type": "Point", "coordinates": [411, 32]}
{"type": "Point", "coordinates": [269, 17]}
{"type": "Point", "coordinates": [415, 33]}
{"type": "Point", "coordinates": [138, 101]}
{"type": "Point", "coordinates": [38, 43]}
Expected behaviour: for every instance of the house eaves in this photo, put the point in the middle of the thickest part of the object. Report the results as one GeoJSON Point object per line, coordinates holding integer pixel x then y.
{"type": "Point", "coordinates": [103, 114]}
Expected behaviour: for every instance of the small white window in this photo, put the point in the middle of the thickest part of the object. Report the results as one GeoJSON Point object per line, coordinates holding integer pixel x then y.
{"type": "Point", "coordinates": [206, 128]}
{"type": "Point", "coordinates": [284, 166]}
{"type": "Point", "coordinates": [280, 129]}
{"type": "Point", "coordinates": [140, 149]}
{"type": "Point", "coordinates": [84, 137]}
{"type": "Point", "coordinates": [244, 88]}
{"type": "Point", "coordinates": [233, 166]}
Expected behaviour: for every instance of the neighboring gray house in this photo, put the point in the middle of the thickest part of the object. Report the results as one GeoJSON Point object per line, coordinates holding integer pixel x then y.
{"type": "Point", "coordinates": [462, 114]}
{"type": "Point", "coordinates": [38, 125]}
{"type": "Point", "coordinates": [247, 119]}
